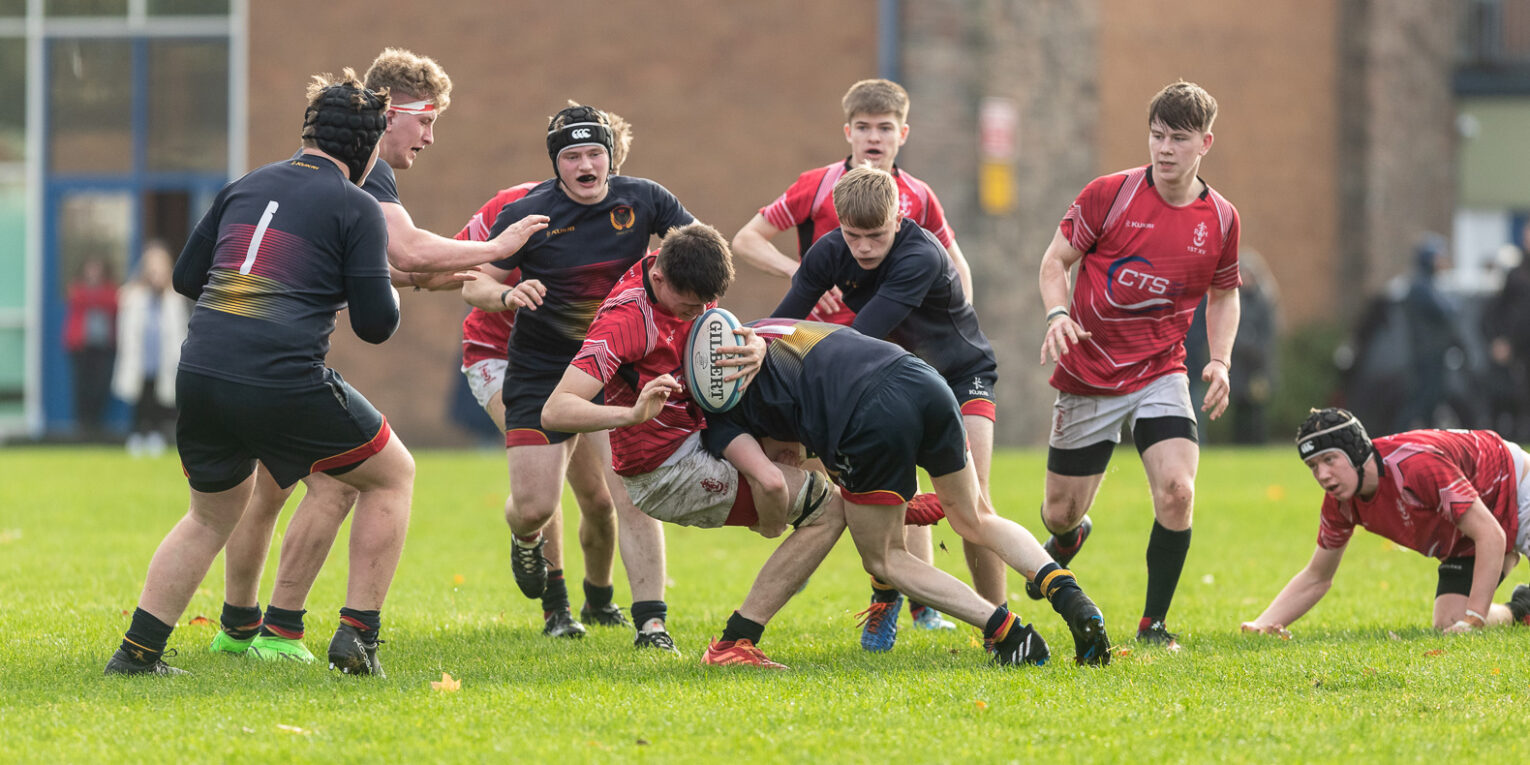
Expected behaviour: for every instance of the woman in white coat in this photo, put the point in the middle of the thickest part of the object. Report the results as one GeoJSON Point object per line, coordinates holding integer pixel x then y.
{"type": "Point", "coordinates": [151, 325]}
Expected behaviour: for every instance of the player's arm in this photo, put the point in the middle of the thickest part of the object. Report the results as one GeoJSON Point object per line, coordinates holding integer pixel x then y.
{"type": "Point", "coordinates": [1056, 289]}
{"type": "Point", "coordinates": [190, 272]}
{"type": "Point", "coordinates": [771, 499]}
{"type": "Point", "coordinates": [373, 305]}
{"type": "Point", "coordinates": [486, 291]}
{"type": "Point", "coordinates": [1300, 594]}
{"type": "Point", "coordinates": [570, 410]}
{"type": "Point", "coordinates": [411, 248]}
{"type": "Point", "coordinates": [752, 244]}
{"type": "Point", "coordinates": [963, 269]}
{"type": "Point", "coordinates": [1488, 537]}
{"type": "Point", "coordinates": [1222, 312]}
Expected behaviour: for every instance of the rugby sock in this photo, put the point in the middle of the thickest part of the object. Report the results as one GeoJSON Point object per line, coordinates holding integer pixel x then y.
{"type": "Point", "coordinates": [596, 596]}
{"type": "Point", "coordinates": [882, 592]}
{"type": "Point", "coordinates": [1059, 587]}
{"type": "Point", "coordinates": [1165, 560]}
{"type": "Point", "coordinates": [998, 625]}
{"type": "Point", "coordinates": [740, 628]}
{"type": "Point", "coordinates": [555, 596]}
{"type": "Point", "coordinates": [368, 623]}
{"type": "Point", "coordinates": [529, 540]}
{"type": "Point", "coordinates": [645, 611]}
{"type": "Point", "coordinates": [283, 623]}
{"type": "Point", "coordinates": [915, 608]}
{"type": "Point", "coordinates": [146, 637]}
{"type": "Point", "coordinates": [241, 622]}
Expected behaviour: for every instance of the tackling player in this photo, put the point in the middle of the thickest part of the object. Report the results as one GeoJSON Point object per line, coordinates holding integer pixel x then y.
{"type": "Point", "coordinates": [1462, 496]}
{"type": "Point", "coordinates": [1149, 243]}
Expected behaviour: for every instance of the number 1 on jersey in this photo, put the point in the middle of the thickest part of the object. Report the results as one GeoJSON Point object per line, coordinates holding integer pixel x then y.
{"type": "Point", "coordinates": [260, 233]}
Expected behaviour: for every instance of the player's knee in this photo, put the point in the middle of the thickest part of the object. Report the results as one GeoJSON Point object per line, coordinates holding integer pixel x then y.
{"type": "Point", "coordinates": [1175, 497]}
{"type": "Point", "coordinates": [524, 511]}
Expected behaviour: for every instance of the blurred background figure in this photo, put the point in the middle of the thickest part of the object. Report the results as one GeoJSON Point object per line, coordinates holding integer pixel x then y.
{"type": "Point", "coordinates": [1506, 322]}
{"type": "Point", "coordinates": [1255, 369]}
{"type": "Point", "coordinates": [90, 336]}
{"type": "Point", "coordinates": [151, 325]}
{"type": "Point", "coordinates": [1431, 323]}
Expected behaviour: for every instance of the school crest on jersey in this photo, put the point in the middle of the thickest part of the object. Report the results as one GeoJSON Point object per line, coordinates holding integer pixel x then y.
{"type": "Point", "coordinates": [622, 217]}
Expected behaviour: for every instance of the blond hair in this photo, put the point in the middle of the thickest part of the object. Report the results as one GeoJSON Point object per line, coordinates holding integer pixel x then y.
{"type": "Point", "coordinates": [405, 72]}
{"type": "Point", "coordinates": [876, 97]}
{"type": "Point", "coordinates": [866, 197]}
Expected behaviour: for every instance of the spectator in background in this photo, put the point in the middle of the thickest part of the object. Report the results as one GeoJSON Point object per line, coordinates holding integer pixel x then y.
{"type": "Point", "coordinates": [1255, 355]}
{"type": "Point", "coordinates": [90, 336]}
{"type": "Point", "coordinates": [151, 325]}
{"type": "Point", "coordinates": [1507, 324]}
{"type": "Point", "coordinates": [1431, 323]}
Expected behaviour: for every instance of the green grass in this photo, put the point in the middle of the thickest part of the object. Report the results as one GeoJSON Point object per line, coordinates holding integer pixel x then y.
{"type": "Point", "coordinates": [1363, 678]}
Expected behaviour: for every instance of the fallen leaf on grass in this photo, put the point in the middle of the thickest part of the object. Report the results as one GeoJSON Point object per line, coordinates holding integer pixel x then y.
{"type": "Point", "coordinates": [458, 579]}
{"type": "Point", "coordinates": [1435, 652]}
{"type": "Point", "coordinates": [1275, 492]}
{"type": "Point", "coordinates": [974, 642]}
{"type": "Point", "coordinates": [1495, 670]}
{"type": "Point", "coordinates": [292, 729]}
{"type": "Point", "coordinates": [199, 621]}
{"type": "Point", "coordinates": [642, 742]}
{"type": "Point", "coordinates": [447, 684]}
{"type": "Point", "coordinates": [1123, 651]}
{"type": "Point", "coordinates": [982, 704]}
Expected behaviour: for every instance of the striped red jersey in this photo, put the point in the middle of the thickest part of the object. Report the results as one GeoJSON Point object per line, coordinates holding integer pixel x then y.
{"type": "Point", "coordinates": [1429, 479]}
{"type": "Point", "coordinates": [808, 206]}
{"type": "Point", "coordinates": [1146, 266]}
{"type": "Point", "coordinates": [486, 335]}
{"type": "Point", "coordinates": [633, 340]}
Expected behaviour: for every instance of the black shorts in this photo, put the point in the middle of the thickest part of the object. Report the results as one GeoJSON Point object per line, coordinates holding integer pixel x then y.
{"type": "Point", "coordinates": [974, 393]}
{"type": "Point", "coordinates": [908, 419]}
{"type": "Point", "coordinates": [225, 426]}
{"type": "Point", "coordinates": [1456, 576]}
{"type": "Point", "coordinates": [529, 381]}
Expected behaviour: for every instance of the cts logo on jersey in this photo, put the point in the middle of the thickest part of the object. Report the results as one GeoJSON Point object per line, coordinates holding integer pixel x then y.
{"type": "Point", "coordinates": [622, 218]}
{"type": "Point", "coordinates": [1131, 285]}
{"type": "Point", "coordinates": [579, 134]}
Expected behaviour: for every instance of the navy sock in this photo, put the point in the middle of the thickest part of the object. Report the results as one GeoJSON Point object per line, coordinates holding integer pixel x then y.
{"type": "Point", "coordinates": [146, 637]}
{"type": "Point", "coordinates": [740, 628]}
{"type": "Point", "coordinates": [283, 623]}
{"type": "Point", "coordinates": [368, 623]}
{"type": "Point", "coordinates": [1059, 587]}
{"type": "Point", "coordinates": [645, 610]}
{"type": "Point", "coordinates": [998, 625]}
{"type": "Point", "coordinates": [555, 596]}
{"type": "Point", "coordinates": [241, 622]}
{"type": "Point", "coordinates": [1165, 560]}
{"type": "Point", "coordinates": [882, 592]}
{"type": "Point", "coordinates": [598, 597]}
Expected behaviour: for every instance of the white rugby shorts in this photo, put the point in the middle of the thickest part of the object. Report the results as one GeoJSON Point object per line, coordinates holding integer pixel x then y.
{"type": "Point", "coordinates": [1080, 421]}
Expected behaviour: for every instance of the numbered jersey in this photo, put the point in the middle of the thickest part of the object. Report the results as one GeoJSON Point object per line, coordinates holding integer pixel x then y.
{"type": "Point", "coordinates": [283, 244]}
{"type": "Point", "coordinates": [1146, 266]}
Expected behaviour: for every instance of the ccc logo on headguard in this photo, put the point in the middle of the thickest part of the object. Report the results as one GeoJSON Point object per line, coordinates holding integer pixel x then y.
{"type": "Point", "coordinates": [622, 218]}
{"type": "Point", "coordinates": [579, 133]}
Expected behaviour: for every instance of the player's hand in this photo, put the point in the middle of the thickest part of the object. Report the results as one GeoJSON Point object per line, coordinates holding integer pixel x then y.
{"type": "Point", "coordinates": [527, 294]}
{"type": "Point", "coordinates": [831, 301]}
{"type": "Point", "coordinates": [1277, 630]}
{"type": "Point", "coordinates": [1461, 627]}
{"type": "Point", "coordinates": [514, 237]}
{"type": "Point", "coordinates": [1062, 334]}
{"type": "Point", "coordinates": [651, 399]}
{"type": "Point", "coordinates": [1217, 389]}
{"type": "Point", "coordinates": [441, 280]}
{"type": "Point", "coordinates": [748, 357]}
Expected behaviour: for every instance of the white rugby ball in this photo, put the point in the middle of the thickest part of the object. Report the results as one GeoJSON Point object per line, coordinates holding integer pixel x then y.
{"type": "Point", "coordinates": [712, 330]}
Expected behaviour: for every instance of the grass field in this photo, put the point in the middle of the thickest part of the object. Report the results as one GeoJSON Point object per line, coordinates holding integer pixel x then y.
{"type": "Point", "coordinates": [1362, 679]}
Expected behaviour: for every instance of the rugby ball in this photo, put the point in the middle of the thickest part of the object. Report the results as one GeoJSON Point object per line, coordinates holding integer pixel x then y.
{"type": "Point", "coordinates": [712, 330]}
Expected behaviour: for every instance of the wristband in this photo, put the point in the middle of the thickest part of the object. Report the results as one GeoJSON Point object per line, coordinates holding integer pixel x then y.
{"type": "Point", "coordinates": [1463, 625]}
{"type": "Point", "coordinates": [1473, 615]}
{"type": "Point", "coordinates": [1224, 364]}
{"type": "Point", "coordinates": [504, 295]}
{"type": "Point", "coordinates": [1056, 312]}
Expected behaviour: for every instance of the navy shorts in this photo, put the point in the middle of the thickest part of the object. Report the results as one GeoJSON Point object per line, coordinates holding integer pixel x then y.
{"type": "Point", "coordinates": [909, 419]}
{"type": "Point", "coordinates": [225, 426]}
{"type": "Point", "coordinates": [974, 393]}
{"type": "Point", "coordinates": [529, 381]}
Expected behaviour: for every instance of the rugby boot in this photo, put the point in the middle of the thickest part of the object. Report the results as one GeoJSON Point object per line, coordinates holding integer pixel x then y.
{"type": "Point", "coordinates": [273, 648]}
{"type": "Point", "coordinates": [728, 653]}
{"type": "Point", "coordinates": [1153, 632]}
{"type": "Point", "coordinates": [1519, 604]}
{"type": "Point", "coordinates": [353, 656]}
{"type": "Point", "coordinates": [560, 623]}
{"type": "Point", "coordinates": [224, 643]}
{"type": "Point", "coordinates": [927, 618]}
{"type": "Point", "coordinates": [529, 567]}
{"type": "Point", "coordinates": [122, 663]}
{"type": "Point", "coordinates": [608, 615]}
{"type": "Point", "coordinates": [658, 639]}
{"type": "Point", "coordinates": [879, 625]}
{"type": "Point", "coordinates": [1023, 645]}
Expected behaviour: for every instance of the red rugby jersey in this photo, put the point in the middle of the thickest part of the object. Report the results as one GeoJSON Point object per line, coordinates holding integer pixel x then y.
{"type": "Point", "coordinates": [808, 206]}
{"type": "Point", "coordinates": [633, 340]}
{"type": "Point", "coordinates": [1145, 268]}
{"type": "Point", "coordinates": [486, 335]}
{"type": "Point", "coordinates": [1430, 478]}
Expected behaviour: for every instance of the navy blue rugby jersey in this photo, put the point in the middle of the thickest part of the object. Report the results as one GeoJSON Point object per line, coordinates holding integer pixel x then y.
{"type": "Point", "coordinates": [280, 251]}
{"type": "Point", "coordinates": [581, 254]}
{"type": "Point", "coordinates": [913, 298]}
{"type": "Point", "coordinates": [808, 389]}
{"type": "Point", "coordinates": [381, 183]}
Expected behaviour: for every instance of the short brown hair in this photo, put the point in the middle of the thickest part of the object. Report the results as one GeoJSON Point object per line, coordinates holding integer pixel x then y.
{"type": "Point", "coordinates": [866, 197]}
{"type": "Point", "coordinates": [696, 259]}
{"type": "Point", "coordinates": [876, 97]}
{"type": "Point", "coordinates": [403, 72]}
{"type": "Point", "coordinates": [1183, 106]}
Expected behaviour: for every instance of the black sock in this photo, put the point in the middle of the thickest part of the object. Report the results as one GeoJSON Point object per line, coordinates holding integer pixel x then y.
{"type": "Point", "coordinates": [915, 608]}
{"type": "Point", "coordinates": [241, 622]}
{"type": "Point", "coordinates": [283, 623]}
{"type": "Point", "coordinates": [999, 624]}
{"type": "Point", "coordinates": [1517, 612]}
{"type": "Point", "coordinates": [1165, 560]}
{"type": "Point", "coordinates": [368, 623]}
{"type": "Point", "coordinates": [598, 597]}
{"type": "Point", "coordinates": [1059, 587]}
{"type": "Point", "coordinates": [882, 592]}
{"type": "Point", "coordinates": [740, 628]}
{"type": "Point", "coordinates": [644, 611]}
{"type": "Point", "coordinates": [555, 596]}
{"type": "Point", "coordinates": [146, 637]}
